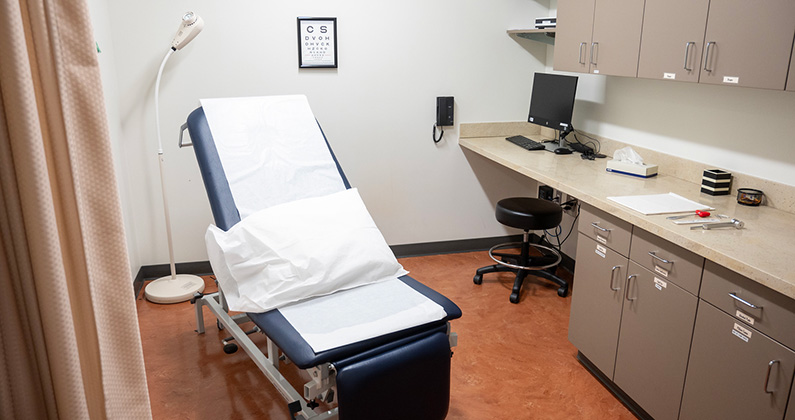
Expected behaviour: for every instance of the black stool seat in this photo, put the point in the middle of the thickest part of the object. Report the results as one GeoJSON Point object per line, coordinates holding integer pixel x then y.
{"type": "Point", "coordinates": [527, 214]}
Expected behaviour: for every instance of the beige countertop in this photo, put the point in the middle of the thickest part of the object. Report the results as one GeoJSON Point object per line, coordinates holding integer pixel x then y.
{"type": "Point", "coordinates": [763, 251]}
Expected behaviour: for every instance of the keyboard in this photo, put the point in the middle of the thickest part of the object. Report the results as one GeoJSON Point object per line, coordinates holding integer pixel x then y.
{"type": "Point", "coordinates": [525, 143]}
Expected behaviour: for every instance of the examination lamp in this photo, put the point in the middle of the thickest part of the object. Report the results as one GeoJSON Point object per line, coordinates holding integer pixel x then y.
{"type": "Point", "coordinates": [174, 288]}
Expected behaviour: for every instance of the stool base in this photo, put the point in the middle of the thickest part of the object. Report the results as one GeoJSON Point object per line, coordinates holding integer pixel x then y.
{"type": "Point", "coordinates": [523, 264]}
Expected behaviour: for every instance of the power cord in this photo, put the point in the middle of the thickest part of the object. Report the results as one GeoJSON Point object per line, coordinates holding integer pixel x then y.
{"type": "Point", "coordinates": [435, 140]}
{"type": "Point", "coordinates": [558, 230]}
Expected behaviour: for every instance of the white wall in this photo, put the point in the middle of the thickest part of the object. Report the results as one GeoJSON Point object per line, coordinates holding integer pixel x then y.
{"type": "Point", "coordinates": [104, 37]}
{"type": "Point", "coordinates": [377, 109]}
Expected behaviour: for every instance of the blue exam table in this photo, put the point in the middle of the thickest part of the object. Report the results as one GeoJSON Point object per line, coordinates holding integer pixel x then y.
{"type": "Point", "coordinates": [401, 375]}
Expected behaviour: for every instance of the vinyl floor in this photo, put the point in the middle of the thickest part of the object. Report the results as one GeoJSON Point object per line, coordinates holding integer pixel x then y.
{"type": "Point", "coordinates": [513, 361]}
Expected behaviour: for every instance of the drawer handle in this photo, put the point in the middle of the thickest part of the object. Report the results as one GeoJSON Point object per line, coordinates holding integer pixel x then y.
{"type": "Point", "coordinates": [767, 378]}
{"type": "Point", "coordinates": [744, 302]}
{"type": "Point", "coordinates": [612, 277]}
{"type": "Point", "coordinates": [627, 293]}
{"type": "Point", "coordinates": [594, 224]}
{"type": "Point", "coordinates": [662, 260]}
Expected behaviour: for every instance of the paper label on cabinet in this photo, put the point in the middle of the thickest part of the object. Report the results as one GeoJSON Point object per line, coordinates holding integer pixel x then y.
{"type": "Point", "coordinates": [660, 284]}
{"type": "Point", "coordinates": [596, 72]}
{"type": "Point", "coordinates": [730, 79]}
{"type": "Point", "coordinates": [661, 271]}
{"type": "Point", "coordinates": [743, 317]}
{"type": "Point", "coordinates": [601, 251]}
{"type": "Point", "coordinates": [602, 239]}
{"type": "Point", "coordinates": [671, 76]}
{"type": "Point", "coordinates": [741, 332]}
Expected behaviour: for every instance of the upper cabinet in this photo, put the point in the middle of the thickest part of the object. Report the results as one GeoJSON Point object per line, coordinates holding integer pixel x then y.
{"type": "Point", "coordinates": [589, 40]}
{"type": "Point", "coordinates": [673, 39]}
{"type": "Point", "coordinates": [573, 36]}
{"type": "Point", "coordinates": [727, 42]}
{"type": "Point", "coordinates": [748, 43]}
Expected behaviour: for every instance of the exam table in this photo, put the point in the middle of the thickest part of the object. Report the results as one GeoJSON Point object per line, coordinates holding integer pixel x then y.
{"type": "Point", "coordinates": [400, 375]}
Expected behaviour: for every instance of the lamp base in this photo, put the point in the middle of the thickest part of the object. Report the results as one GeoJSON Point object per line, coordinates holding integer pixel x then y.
{"type": "Point", "coordinates": [173, 290]}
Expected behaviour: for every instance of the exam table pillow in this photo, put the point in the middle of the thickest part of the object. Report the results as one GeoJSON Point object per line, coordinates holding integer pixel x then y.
{"type": "Point", "coordinates": [298, 250]}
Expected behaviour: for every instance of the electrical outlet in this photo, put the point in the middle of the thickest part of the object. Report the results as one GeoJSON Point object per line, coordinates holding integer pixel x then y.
{"type": "Point", "coordinates": [570, 205]}
{"type": "Point", "coordinates": [545, 192]}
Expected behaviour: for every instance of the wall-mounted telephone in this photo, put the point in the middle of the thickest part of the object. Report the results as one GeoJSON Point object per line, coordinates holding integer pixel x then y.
{"type": "Point", "coordinates": [444, 115]}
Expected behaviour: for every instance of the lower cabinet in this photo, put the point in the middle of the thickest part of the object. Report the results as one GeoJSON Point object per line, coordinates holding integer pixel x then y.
{"type": "Point", "coordinates": [735, 372]}
{"type": "Point", "coordinates": [654, 342]}
{"type": "Point", "coordinates": [596, 306]}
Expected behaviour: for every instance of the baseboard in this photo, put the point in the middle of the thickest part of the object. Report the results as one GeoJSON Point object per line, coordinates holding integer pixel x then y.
{"type": "Point", "coordinates": [151, 272]}
{"type": "Point", "coordinates": [450, 247]}
{"type": "Point", "coordinates": [202, 268]}
{"type": "Point", "coordinates": [613, 388]}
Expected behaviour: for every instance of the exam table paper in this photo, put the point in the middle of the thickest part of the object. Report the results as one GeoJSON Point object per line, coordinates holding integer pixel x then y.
{"type": "Point", "coordinates": [359, 314]}
{"type": "Point", "coordinates": [271, 149]}
{"type": "Point", "coordinates": [659, 203]}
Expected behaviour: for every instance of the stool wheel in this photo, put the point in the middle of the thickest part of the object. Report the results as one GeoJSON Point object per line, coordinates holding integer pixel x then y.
{"type": "Point", "coordinates": [514, 297]}
{"type": "Point", "coordinates": [478, 279]}
{"type": "Point", "coordinates": [563, 291]}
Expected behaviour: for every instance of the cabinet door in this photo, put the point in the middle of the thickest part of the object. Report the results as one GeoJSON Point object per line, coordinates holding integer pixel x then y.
{"type": "Point", "coordinates": [735, 372]}
{"type": "Point", "coordinates": [672, 41]}
{"type": "Point", "coordinates": [596, 300]}
{"type": "Point", "coordinates": [748, 43]}
{"type": "Point", "coordinates": [615, 44]}
{"type": "Point", "coordinates": [654, 342]}
{"type": "Point", "coordinates": [573, 35]}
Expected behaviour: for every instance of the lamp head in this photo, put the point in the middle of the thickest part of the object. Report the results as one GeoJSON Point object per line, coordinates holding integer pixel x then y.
{"type": "Point", "coordinates": [191, 25]}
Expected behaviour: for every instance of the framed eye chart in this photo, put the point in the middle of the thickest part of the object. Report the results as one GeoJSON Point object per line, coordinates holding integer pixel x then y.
{"type": "Point", "coordinates": [317, 42]}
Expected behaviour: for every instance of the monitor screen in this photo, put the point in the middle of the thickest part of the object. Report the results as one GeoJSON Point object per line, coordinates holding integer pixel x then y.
{"type": "Point", "coordinates": [552, 101]}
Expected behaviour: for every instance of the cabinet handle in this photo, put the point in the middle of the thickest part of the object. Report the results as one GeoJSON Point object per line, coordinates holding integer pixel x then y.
{"type": "Point", "coordinates": [626, 295]}
{"type": "Point", "coordinates": [594, 44]}
{"type": "Point", "coordinates": [662, 260]}
{"type": "Point", "coordinates": [581, 60]}
{"type": "Point", "coordinates": [612, 277]}
{"type": "Point", "coordinates": [706, 56]}
{"type": "Point", "coordinates": [767, 378]}
{"type": "Point", "coordinates": [687, 54]}
{"type": "Point", "coordinates": [734, 296]}
{"type": "Point", "coordinates": [594, 224]}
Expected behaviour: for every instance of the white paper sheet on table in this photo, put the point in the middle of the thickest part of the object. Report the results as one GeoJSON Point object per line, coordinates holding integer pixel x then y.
{"type": "Point", "coordinates": [271, 149]}
{"type": "Point", "coordinates": [359, 314]}
{"type": "Point", "coordinates": [659, 203]}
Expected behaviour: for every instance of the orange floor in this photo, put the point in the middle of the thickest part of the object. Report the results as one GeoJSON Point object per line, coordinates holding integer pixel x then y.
{"type": "Point", "coordinates": [512, 361]}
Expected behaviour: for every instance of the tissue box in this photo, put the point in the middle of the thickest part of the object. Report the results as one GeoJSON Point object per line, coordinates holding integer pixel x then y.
{"type": "Point", "coordinates": [716, 182]}
{"type": "Point", "coordinates": [643, 171]}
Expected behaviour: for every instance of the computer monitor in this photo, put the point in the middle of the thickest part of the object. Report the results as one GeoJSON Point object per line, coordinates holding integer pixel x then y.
{"type": "Point", "coordinates": [552, 104]}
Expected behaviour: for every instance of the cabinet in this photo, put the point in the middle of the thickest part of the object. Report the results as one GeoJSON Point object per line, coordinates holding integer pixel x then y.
{"type": "Point", "coordinates": [596, 306]}
{"type": "Point", "coordinates": [673, 39]}
{"type": "Point", "coordinates": [748, 43]}
{"type": "Point", "coordinates": [573, 37]}
{"type": "Point", "coordinates": [589, 40]}
{"type": "Point", "coordinates": [654, 342]}
{"type": "Point", "coordinates": [633, 309]}
{"type": "Point", "coordinates": [602, 250]}
{"type": "Point", "coordinates": [735, 372]}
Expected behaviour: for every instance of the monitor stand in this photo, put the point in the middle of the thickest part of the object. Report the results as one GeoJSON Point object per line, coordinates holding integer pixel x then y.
{"type": "Point", "coordinates": [552, 145]}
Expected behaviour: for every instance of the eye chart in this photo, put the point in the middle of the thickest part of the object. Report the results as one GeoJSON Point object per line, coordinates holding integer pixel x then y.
{"type": "Point", "coordinates": [317, 42]}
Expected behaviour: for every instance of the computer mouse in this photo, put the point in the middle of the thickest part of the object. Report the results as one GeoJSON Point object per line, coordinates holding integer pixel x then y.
{"type": "Point", "coordinates": [562, 151]}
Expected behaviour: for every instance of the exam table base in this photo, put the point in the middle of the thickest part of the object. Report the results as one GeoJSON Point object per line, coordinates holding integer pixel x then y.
{"type": "Point", "coordinates": [415, 368]}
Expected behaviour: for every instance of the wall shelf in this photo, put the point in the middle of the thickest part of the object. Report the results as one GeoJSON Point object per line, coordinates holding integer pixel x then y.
{"type": "Point", "coordinates": [547, 36]}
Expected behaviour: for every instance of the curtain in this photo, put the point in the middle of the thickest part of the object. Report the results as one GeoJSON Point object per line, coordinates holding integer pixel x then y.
{"type": "Point", "coordinates": [70, 345]}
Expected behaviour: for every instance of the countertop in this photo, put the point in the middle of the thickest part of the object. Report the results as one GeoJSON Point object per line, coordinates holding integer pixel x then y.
{"type": "Point", "coordinates": [763, 251]}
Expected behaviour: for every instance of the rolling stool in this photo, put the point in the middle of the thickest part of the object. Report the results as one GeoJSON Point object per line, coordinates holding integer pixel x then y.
{"type": "Point", "coordinates": [526, 214]}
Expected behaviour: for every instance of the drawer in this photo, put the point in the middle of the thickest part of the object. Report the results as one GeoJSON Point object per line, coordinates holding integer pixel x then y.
{"type": "Point", "coordinates": [756, 305]}
{"type": "Point", "coordinates": [667, 260]}
{"type": "Point", "coordinates": [605, 228]}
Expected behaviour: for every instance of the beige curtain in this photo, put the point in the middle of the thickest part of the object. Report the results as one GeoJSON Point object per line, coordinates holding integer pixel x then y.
{"type": "Point", "coordinates": [70, 346]}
